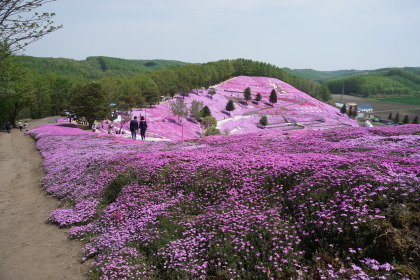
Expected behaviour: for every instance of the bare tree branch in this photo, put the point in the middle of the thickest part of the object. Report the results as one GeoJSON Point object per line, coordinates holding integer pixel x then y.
{"type": "Point", "coordinates": [20, 26]}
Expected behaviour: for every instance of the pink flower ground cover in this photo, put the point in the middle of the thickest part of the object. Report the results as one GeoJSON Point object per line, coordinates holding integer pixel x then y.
{"type": "Point", "coordinates": [293, 111]}
{"type": "Point", "coordinates": [301, 204]}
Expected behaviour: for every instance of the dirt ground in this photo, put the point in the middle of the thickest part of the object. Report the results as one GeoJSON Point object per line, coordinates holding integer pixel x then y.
{"type": "Point", "coordinates": [30, 248]}
{"type": "Point", "coordinates": [382, 108]}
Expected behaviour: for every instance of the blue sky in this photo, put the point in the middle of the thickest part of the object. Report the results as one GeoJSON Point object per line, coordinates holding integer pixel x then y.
{"type": "Point", "coordinates": [317, 34]}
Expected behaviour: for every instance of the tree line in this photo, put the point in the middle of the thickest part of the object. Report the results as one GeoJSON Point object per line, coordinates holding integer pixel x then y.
{"type": "Point", "coordinates": [95, 67]}
{"type": "Point", "coordinates": [27, 94]}
{"type": "Point", "coordinates": [391, 82]}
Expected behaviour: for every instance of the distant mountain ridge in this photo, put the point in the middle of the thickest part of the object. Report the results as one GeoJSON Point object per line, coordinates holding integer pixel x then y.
{"type": "Point", "coordinates": [95, 67]}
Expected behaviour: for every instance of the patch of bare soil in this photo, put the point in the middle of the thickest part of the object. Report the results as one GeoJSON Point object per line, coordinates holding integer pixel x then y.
{"type": "Point", "coordinates": [30, 248]}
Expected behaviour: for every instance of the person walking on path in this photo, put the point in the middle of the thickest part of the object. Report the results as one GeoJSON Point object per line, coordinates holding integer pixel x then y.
{"type": "Point", "coordinates": [143, 128]}
{"type": "Point", "coordinates": [26, 126]}
{"type": "Point", "coordinates": [8, 126]}
{"type": "Point", "coordinates": [20, 125]}
{"type": "Point", "coordinates": [134, 126]}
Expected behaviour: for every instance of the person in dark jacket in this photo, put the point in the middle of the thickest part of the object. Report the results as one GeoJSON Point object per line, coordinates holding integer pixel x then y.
{"type": "Point", "coordinates": [134, 126]}
{"type": "Point", "coordinates": [8, 126]}
{"type": "Point", "coordinates": [143, 128]}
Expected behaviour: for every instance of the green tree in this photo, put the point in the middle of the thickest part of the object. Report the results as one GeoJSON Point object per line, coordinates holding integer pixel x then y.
{"type": "Point", "coordinates": [208, 121]}
{"type": "Point", "coordinates": [415, 120]}
{"type": "Point", "coordinates": [397, 118]}
{"type": "Point", "coordinates": [6, 88]}
{"type": "Point", "coordinates": [230, 106]}
{"type": "Point", "coordinates": [127, 102]}
{"type": "Point", "coordinates": [116, 87]}
{"type": "Point", "coordinates": [258, 97]}
{"type": "Point", "coordinates": [16, 89]}
{"type": "Point", "coordinates": [59, 88]}
{"type": "Point", "coordinates": [322, 93]}
{"type": "Point", "coordinates": [406, 120]}
{"type": "Point", "coordinates": [247, 94]}
{"type": "Point", "coordinates": [44, 99]}
{"type": "Point", "coordinates": [90, 101]}
{"type": "Point", "coordinates": [145, 89]}
{"type": "Point", "coordinates": [390, 116]}
{"type": "Point", "coordinates": [212, 131]}
{"type": "Point", "coordinates": [20, 25]}
{"type": "Point", "coordinates": [195, 109]}
{"type": "Point", "coordinates": [273, 97]}
{"type": "Point", "coordinates": [205, 112]}
{"type": "Point", "coordinates": [264, 121]}
{"type": "Point", "coordinates": [179, 108]}
{"type": "Point", "coordinates": [209, 124]}
{"type": "Point", "coordinates": [343, 109]}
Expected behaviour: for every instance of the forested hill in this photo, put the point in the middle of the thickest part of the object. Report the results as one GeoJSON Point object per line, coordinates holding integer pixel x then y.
{"type": "Point", "coordinates": [388, 82]}
{"type": "Point", "coordinates": [323, 76]}
{"type": "Point", "coordinates": [95, 67]}
{"type": "Point", "coordinates": [367, 83]}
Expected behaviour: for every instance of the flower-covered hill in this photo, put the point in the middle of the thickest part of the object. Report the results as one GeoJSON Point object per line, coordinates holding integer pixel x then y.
{"type": "Point", "coordinates": [305, 204]}
{"type": "Point", "coordinates": [294, 110]}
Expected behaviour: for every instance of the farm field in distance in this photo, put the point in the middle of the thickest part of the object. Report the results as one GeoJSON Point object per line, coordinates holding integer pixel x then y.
{"type": "Point", "coordinates": [412, 100]}
{"type": "Point", "coordinates": [383, 108]}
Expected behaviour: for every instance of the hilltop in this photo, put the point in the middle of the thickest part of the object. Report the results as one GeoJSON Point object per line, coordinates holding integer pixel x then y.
{"type": "Point", "coordinates": [294, 110]}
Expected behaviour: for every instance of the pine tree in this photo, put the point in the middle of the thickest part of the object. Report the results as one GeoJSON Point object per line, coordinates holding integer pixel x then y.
{"type": "Point", "coordinates": [390, 116]}
{"type": "Point", "coordinates": [273, 97]}
{"type": "Point", "coordinates": [205, 112]}
{"type": "Point", "coordinates": [416, 120]}
{"type": "Point", "coordinates": [263, 121]}
{"type": "Point", "coordinates": [247, 94]}
{"type": "Point", "coordinates": [343, 109]}
{"type": "Point", "coordinates": [258, 97]}
{"type": "Point", "coordinates": [397, 118]}
{"type": "Point", "coordinates": [230, 106]}
{"type": "Point", "coordinates": [406, 120]}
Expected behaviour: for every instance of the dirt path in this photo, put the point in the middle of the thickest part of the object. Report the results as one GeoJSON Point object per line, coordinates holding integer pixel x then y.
{"type": "Point", "coordinates": [30, 248]}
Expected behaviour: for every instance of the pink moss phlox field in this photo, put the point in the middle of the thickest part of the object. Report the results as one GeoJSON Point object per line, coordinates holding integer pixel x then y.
{"type": "Point", "coordinates": [293, 111]}
{"type": "Point", "coordinates": [273, 205]}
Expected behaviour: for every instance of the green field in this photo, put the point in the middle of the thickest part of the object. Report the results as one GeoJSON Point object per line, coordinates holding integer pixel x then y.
{"type": "Point", "coordinates": [412, 100]}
